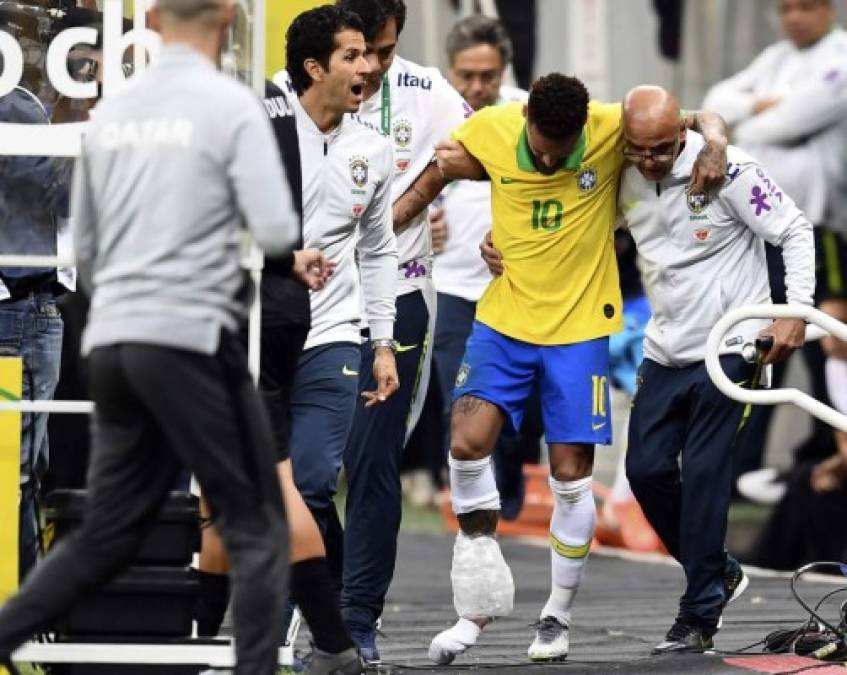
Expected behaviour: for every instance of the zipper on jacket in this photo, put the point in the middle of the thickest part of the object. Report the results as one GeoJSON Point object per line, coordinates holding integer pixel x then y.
{"type": "Point", "coordinates": [326, 148]}
{"type": "Point", "coordinates": [658, 190]}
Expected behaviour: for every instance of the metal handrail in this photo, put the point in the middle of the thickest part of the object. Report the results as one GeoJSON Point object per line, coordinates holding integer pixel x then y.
{"type": "Point", "coordinates": [824, 324]}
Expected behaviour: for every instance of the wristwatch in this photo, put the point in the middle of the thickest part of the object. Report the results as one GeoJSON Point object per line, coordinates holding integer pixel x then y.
{"type": "Point", "coordinates": [384, 342]}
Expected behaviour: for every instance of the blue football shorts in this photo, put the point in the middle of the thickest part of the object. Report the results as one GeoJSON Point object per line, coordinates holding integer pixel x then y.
{"type": "Point", "coordinates": [573, 382]}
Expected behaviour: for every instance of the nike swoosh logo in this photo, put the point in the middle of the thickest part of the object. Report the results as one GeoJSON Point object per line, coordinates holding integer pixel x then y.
{"type": "Point", "coordinates": [741, 383]}
{"type": "Point", "coordinates": [597, 427]}
{"type": "Point", "coordinates": [404, 348]}
{"type": "Point", "coordinates": [349, 371]}
{"type": "Point", "coordinates": [505, 180]}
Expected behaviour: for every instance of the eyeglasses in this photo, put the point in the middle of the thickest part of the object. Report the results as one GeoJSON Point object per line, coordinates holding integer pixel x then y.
{"type": "Point", "coordinates": [661, 153]}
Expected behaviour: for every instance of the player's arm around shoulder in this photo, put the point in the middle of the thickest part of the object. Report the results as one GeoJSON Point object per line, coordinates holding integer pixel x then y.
{"type": "Point", "coordinates": [465, 152]}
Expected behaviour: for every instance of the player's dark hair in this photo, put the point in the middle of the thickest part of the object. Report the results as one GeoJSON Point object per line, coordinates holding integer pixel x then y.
{"type": "Point", "coordinates": [376, 13]}
{"type": "Point", "coordinates": [558, 106]}
{"type": "Point", "coordinates": [479, 30]}
{"type": "Point", "coordinates": [312, 36]}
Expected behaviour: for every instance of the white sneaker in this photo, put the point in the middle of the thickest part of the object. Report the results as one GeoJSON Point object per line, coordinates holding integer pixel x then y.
{"type": "Point", "coordinates": [448, 644]}
{"type": "Point", "coordinates": [551, 641]}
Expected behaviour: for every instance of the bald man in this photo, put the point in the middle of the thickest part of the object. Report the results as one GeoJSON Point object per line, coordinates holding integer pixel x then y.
{"type": "Point", "coordinates": [168, 375]}
{"type": "Point", "coordinates": [702, 255]}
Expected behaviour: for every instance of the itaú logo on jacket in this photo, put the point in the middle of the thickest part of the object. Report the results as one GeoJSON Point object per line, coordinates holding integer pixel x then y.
{"type": "Point", "coordinates": [64, 140]}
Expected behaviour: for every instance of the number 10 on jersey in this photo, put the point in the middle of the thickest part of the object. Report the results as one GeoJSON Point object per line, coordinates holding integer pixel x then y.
{"type": "Point", "coordinates": [547, 215]}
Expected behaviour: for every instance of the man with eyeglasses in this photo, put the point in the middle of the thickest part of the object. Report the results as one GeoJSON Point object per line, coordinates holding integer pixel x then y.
{"type": "Point", "coordinates": [701, 256]}
{"type": "Point", "coordinates": [554, 166]}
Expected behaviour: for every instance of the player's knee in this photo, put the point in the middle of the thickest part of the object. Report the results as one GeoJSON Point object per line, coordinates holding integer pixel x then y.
{"type": "Point", "coordinates": [568, 472]}
{"type": "Point", "coordinates": [571, 462]}
{"type": "Point", "coordinates": [464, 449]}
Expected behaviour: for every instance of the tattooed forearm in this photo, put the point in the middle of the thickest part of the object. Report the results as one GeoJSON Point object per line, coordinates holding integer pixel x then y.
{"type": "Point", "coordinates": [408, 206]}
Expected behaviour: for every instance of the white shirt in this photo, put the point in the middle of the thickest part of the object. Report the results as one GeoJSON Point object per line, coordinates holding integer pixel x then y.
{"type": "Point", "coordinates": [459, 270]}
{"type": "Point", "coordinates": [700, 260]}
{"type": "Point", "coordinates": [801, 141]}
{"type": "Point", "coordinates": [836, 383]}
{"type": "Point", "coordinates": [424, 110]}
{"type": "Point", "coordinates": [347, 176]}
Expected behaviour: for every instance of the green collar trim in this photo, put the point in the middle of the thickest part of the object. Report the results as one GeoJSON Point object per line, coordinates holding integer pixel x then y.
{"type": "Point", "coordinates": [571, 163]}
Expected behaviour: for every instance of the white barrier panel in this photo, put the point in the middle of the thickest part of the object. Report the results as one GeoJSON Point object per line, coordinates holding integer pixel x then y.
{"type": "Point", "coordinates": [823, 324]}
{"type": "Point", "coordinates": [215, 656]}
{"type": "Point", "coordinates": [69, 407]}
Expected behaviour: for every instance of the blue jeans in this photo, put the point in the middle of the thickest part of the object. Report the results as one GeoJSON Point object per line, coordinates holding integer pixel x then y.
{"type": "Point", "coordinates": [32, 329]}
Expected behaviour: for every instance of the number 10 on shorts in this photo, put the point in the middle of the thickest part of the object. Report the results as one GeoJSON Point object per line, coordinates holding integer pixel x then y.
{"type": "Point", "coordinates": [599, 395]}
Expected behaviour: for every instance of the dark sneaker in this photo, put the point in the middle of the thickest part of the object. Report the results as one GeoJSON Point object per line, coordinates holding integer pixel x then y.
{"type": "Point", "coordinates": [683, 637]}
{"type": "Point", "coordinates": [365, 639]}
{"type": "Point", "coordinates": [347, 662]}
{"type": "Point", "coordinates": [735, 582]}
{"type": "Point", "coordinates": [551, 641]}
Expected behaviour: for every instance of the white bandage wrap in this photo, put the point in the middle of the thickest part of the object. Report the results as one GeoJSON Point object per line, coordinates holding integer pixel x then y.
{"type": "Point", "coordinates": [472, 486]}
{"type": "Point", "coordinates": [571, 530]}
{"type": "Point", "coordinates": [482, 581]}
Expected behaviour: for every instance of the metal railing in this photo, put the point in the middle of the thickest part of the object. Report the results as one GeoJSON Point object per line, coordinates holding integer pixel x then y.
{"type": "Point", "coordinates": [821, 324]}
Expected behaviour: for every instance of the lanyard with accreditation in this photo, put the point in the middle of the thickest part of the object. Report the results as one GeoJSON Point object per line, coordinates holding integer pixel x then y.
{"type": "Point", "coordinates": [386, 106]}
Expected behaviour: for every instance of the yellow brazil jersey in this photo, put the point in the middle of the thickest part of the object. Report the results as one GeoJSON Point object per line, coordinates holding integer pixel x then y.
{"type": "Point", "coordinates": [560, 281]}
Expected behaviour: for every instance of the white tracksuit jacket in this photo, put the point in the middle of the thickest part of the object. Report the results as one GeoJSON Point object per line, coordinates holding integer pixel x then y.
{"type": "Point", "coordinates": [700, 259]}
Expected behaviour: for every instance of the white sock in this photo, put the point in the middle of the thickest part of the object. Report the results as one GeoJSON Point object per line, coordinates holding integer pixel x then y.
{"type": "Point", "coordinates": [559, 604]}
{"type": "Point", "coordinates": [621, 491]}
{"type": "Point", "coordinates": [571, 532]}
{"type": "Point", "coordinates": [466, 631]}
{"type": "Point", "coordinates": [472, 485]}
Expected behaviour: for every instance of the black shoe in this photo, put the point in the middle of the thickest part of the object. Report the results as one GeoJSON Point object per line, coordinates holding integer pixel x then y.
{"type": "Point", "coordinates": [347, 662]}
{"type": "Point", "coordinates": [735, 582]}
{"type": "Point", "coordinates": [365, 639]}
{"type": "Point", "coordinates": [683, 637]}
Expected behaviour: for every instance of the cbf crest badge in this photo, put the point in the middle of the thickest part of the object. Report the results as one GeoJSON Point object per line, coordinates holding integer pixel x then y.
{"type": "Point", "coordinates": [359, 171]}
{"type": "Point", "coordinates": [462, 375]}
{"type": "Point", "coordinates": [586, 179]}
{"type": "Point", "coordinates": [402, 133]}
{"type": "Point", "coordinates": [697, 201]}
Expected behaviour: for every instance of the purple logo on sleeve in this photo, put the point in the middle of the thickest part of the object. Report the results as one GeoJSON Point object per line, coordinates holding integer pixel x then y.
{"type": "Point", "coordinates": [759, 200]}
{"type": "Point", "coordinates": [414, 269]}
